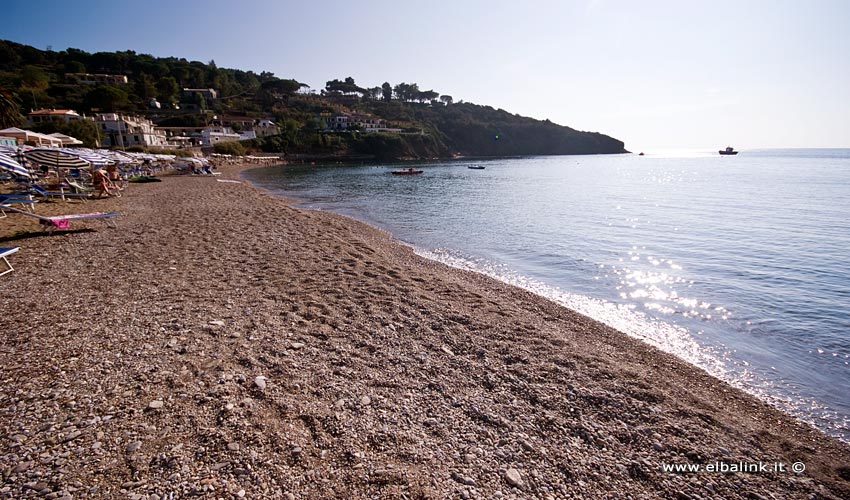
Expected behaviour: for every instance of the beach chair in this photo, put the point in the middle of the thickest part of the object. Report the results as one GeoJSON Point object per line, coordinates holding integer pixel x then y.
{"type": "Point", "coordinates": [4, 253]}
{"type": "Point", "coordinates": [64, 221]}
{"type": "Point", "coordinates": [40, 191]}
{"type": "Point", "coordinates": [22, 199]}
{"type": "Point", "coordinates": [78, 187]}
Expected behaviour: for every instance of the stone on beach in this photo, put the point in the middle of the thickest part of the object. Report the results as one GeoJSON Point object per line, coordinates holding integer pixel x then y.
{"type": "Point", "coordinates": [513, 478]}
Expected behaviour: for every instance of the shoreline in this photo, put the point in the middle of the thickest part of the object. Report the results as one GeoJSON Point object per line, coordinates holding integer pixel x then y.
{"type": "Point", "coordinates": [707, 363]}
{"type": "Point", "coordinates": [386, 374]}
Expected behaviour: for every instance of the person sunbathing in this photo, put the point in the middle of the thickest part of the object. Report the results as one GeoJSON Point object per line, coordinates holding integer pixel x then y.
{"type": "Point", "coordinates": [101, 182]}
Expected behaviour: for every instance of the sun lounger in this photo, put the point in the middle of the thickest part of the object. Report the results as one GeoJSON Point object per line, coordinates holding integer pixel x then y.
{"type": "Point", "coordinates": [17, 199]}
{"type": "Point", "coordinates": [64, 221]}
{"type": "Point", "coordinates": [40, 191]}
{"type": "Point", "coordinates": [79, 188]}
{"type": "Point", "coordinates": [5, 252]}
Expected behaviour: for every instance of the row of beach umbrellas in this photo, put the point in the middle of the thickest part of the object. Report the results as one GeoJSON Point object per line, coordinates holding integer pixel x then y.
{"type": "Point", "coordinates": [71, 158]}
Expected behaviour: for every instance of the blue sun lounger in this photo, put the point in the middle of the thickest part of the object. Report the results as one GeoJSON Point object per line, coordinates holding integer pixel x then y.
{"type": "Point", "coordinates": [7, 200]}
{"type": "Point", "coordinates": [5, 252]}
{"type": "Point", "coordinates": [40, 191]}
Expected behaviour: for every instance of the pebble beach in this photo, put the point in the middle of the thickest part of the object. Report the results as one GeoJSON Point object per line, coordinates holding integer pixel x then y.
{"type": "Point", "coordinates": [221, 343]}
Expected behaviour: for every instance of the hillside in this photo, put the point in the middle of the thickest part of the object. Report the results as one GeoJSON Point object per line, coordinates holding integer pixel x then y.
{"type": "Point", "coordinates": [173, 92]}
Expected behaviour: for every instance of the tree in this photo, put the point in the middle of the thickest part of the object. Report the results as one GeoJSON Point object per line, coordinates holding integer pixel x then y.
{"type": "Point", "coordinates": [406, 92]}
{"type": "Point", "coordinates": [74, 67]}
{"type": "Point", "coordinates": [427, 95]}
{"type": "Point", "coordinates": [10, 110]}
{"type": "Point", "coordinates": [106, 98]}
{"type": "Point", "coordinates": [387, 91]}
{"type": "Point", "coordinates": [346, 87]}
{"type": "Point", "coordinates": [373, 93]}
{"type": "Point", "coordinates": [84, 130]}
{"type": "Point", "coordinates": [283, 87]}
{"type": "Point", "coordinates": [34, 78]}
{"type": "Point", "coordinates": [447, 99]}
{"type": "Point", "coordinates": [277, 89]}
{"type": "Point", "coordinates": [200, 101]}
{"type": "Point", "coordinates": [167, 89]}
{"type": "Point", "coordinates": [145, 87]}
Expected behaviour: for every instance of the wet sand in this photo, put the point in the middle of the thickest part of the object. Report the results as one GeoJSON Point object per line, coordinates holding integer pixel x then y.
{"type": "Point", "coordinates": [223, 344]}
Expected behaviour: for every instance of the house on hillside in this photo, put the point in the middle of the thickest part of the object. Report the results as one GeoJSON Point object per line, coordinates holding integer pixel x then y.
{"type": "Point", "coordinates": [213, 135]}
{"type": "Point", "coordinates": [265, 128]}
{"type": "Point", "coordinates": [127, 130]}
{"type": "Point", "coordinates": [235, 122]}
{"type": "Point", "coordinates": [208, 94]}
{"type": "Point", "coordinates": [346, 121]}
{"type": "Point", "coordinates": [244, 124]}
{"type": "Point", "coordinates": [48, 115]}
{"type": "Point", "coordinates": [95, 78]}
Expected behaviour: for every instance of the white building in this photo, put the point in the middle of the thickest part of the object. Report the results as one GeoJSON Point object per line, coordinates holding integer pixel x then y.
{"type": "Point", "coordinates": [365, 123]}
{"type": "Point", "coordinates": [214, 135]}
{"type": "Point", "coordinates": [125, 130]}
{"type": "Point", "coordinates": [247, 135]}
{"type": "Point", "coordinates": [264, 128]}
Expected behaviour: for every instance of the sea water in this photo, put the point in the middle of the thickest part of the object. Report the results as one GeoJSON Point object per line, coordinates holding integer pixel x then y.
{"type": "Point", "coordinates": [737, 264]}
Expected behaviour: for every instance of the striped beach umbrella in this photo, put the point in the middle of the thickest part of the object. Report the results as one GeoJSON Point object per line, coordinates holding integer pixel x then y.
{"type": "Point", "coordinates": [12, 166]}
{"type": "Point", "coordinates": [57, 158]}
{"type": "Point", "coordinates": [117, 156]}
{"type": "Point", "coordinates": [90, 156]}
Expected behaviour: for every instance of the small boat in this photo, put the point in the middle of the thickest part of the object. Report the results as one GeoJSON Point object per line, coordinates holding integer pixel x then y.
{"type": "Point", "coordinates": [407, 171]}
{"type": "Point", "coordinates": [476, 167]}
{"type": "Point", "coordinates": [641, 153]}
{"type": "Point", "coordinates": [728, 151]}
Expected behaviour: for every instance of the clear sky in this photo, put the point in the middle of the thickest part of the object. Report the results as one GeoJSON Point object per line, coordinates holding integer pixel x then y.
{"type": "Point", "coordinates": [654, 74]}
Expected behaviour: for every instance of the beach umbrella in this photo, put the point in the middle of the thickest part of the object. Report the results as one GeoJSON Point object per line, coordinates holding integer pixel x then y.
{"type": "Point", "coordinates": [12, 166]}
{"type": "Point", "coordinates": [90, 156]}
{"type": "Point", "coordinates": [58, 158]}
{"type": "Point", "coordinates": [117, 156]}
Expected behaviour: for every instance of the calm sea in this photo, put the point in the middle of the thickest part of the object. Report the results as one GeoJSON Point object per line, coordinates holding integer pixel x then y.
{"type": "Point", "coordinates": [739, 265]}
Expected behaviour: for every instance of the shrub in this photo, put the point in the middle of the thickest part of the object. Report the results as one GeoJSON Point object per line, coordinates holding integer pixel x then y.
{"type": "Point", "coordinates": [230, 148]}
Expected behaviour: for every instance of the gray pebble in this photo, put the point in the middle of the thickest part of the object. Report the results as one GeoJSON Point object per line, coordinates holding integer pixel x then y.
{"type": "Point", "coordinates": [513, 478]}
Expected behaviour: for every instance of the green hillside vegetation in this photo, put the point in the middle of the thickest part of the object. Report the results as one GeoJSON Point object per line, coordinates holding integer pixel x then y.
{"type": "Point", "coordinates": [431, 125]}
